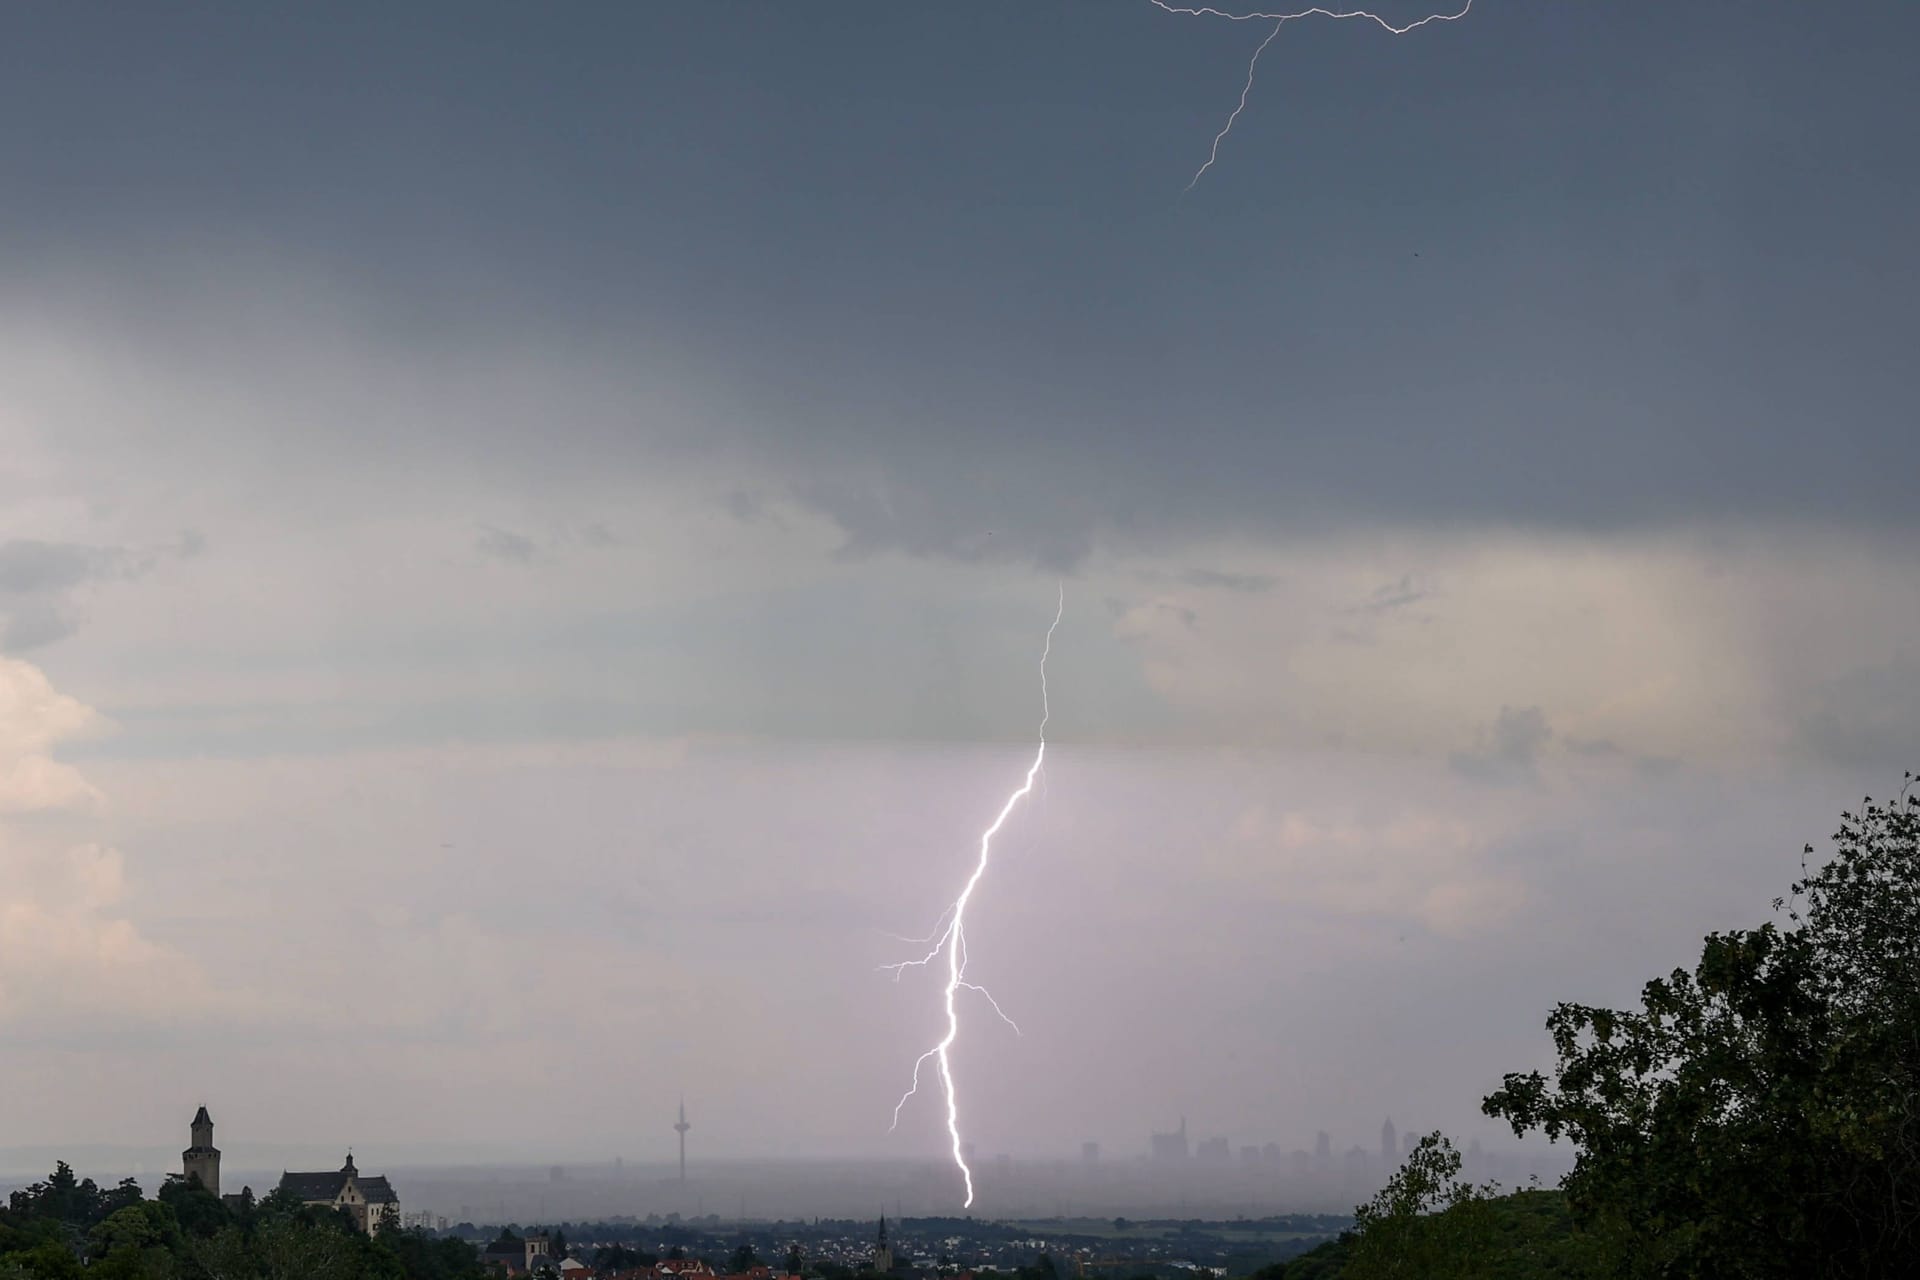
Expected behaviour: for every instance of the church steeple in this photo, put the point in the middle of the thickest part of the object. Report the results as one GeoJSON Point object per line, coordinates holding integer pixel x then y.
{"type": "Point", "coordinates": [882, 1251]}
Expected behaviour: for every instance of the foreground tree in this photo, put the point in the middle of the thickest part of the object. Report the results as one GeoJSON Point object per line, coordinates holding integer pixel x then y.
{"type": "Point", "coordinates": [1756, 1116]}
{"type": "Point", "coordinates": [1425, 1224]}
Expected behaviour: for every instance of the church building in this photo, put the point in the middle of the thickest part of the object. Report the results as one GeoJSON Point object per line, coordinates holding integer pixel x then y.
{"type": "Point", "coordinates": [367, 1199]}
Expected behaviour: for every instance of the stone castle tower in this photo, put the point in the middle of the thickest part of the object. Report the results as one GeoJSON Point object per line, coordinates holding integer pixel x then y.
{"type": "Point", "coordinates": [202, 1159]}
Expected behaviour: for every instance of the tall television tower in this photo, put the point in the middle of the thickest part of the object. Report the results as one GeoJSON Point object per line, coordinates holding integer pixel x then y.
{"type": "Point", "coordinates": [681, 1129]}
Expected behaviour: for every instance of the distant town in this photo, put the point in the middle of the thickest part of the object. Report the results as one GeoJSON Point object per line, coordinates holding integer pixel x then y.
{"type": "Point", "coordinates": [1178, 1208]}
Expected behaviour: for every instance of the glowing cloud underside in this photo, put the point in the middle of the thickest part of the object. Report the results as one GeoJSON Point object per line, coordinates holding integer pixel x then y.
{"type": "Point", "coordinates": [1280, 20]}
{"type": "Point", "coordinates": [949, 938]}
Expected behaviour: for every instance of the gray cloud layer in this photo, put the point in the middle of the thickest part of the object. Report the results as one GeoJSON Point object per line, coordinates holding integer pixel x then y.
{"type": "Point", "coordinates": [39, 582]}
{"type": "Point", "coordinates": [1005, 341]}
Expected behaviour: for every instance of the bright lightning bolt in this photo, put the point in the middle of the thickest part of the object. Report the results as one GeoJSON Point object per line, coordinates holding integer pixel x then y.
{"type": "Point", "coordinates": [951, 940]}
{"type": "Point", "coordinates": [1280, 20]}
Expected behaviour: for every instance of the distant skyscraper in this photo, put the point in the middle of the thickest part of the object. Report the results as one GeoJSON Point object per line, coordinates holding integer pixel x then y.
{"type": "Point", "coordinates": [1323, 1145]}
{"type": "Point", "coordinates": [1389, 1143]}
{"type": "Point", "coordinates": [681, 1129]}
{"type": "Point", "coordinates": [1214, 1151]}
{"type": "Point", "coordinates": [1171, 1146]}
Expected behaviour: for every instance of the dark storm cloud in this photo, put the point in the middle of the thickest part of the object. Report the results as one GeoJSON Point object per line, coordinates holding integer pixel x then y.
{"type": "Point", "coordinates": [39, 581]}
{"type": "Point", "coordinates": [1552, 271]}
{"type": "Point", "coordinates": [970, 526]}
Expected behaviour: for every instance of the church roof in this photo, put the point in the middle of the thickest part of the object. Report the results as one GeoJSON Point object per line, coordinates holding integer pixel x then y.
{"type": "Point", "coordinates": [328, 1185]}
{"type": "Point", "coordinates": [378, 1191]}
{"type": "Point", "coordinates": [314, 1186]}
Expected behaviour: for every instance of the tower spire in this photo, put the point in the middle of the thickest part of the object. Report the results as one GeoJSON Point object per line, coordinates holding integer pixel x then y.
{"type": "Point", "coordinates": [202, 1160]}
{"type": "Point", "coordinates": [681, 1128]}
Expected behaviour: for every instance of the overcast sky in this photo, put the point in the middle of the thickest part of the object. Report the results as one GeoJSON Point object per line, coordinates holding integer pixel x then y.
{"type": "Point", "coordinates": [526, 532]}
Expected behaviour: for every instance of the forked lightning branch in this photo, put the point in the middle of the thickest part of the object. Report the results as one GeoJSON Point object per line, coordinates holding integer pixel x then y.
{"type": "Point", "coordinates": [949, 938]}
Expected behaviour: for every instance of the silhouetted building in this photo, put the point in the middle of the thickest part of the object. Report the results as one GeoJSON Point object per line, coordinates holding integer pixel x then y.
{"type": "Point", "coordinates": [681, 1128]}
{"type": "Point", "coordinates": [367, 1199]}
{"type": "Point", "coordinates": [202, 1159]}
{"type": "Point", "coordinates": [1214, 1151]}
{"type": "Point", "coordinates": [882, 1251]}
{"type": "Point", "coordinates": [1171, 1146]}
{"type": "Point", "coordinates": [1389, 1143]}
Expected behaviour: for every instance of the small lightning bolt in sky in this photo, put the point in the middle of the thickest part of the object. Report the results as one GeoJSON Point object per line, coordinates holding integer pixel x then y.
{"type": "Point", "coordinates": [1280, 20]}
{"type": "Point", "coordinates": [949, 936]}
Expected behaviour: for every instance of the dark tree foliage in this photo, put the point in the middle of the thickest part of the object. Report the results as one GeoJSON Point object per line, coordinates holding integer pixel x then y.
{"type": "Point", "coordinates": [66, 1228]}
{"type": "Point", "coordinates": [620, 1257]}
{"type": "Point", "coordinates": [1321, 1263]}
{"type": "Point", "coordinates": [1425, 1224]}
{"type": "Point", "coordinates": [1461, 1232]}
{"type": "Point", "coordinates": [425, 1257]}
{"type": "Point", "coordinates": [1756, 1117]}
{"type": "Point", "coordinates": [61, 1198]}
{"type": "Point", "coordinates": [199, 1211]}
